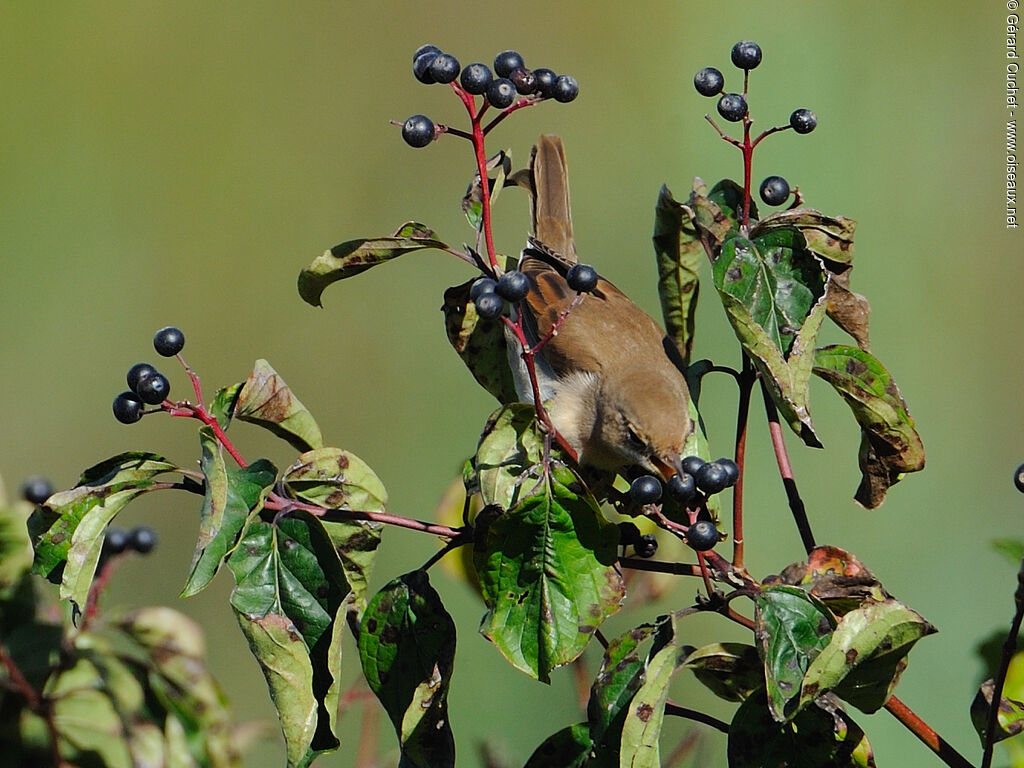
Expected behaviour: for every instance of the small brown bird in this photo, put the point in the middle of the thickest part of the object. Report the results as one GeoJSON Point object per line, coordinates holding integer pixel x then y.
{"type": "Point", "coordinates": [615, 395]}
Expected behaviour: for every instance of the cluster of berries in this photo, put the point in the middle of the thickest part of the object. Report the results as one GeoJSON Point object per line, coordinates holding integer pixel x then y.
{"type": "Point", "coordinates": [489, 295]}
{"type": "Point", "coordinates": [510, 78]}
{"type": "Point", "coordinates": [698, 480]}
{"type": "Point", "coordinates": [141, 539]}
{"type": "Point", "coordinates": [146, 385]}
{"type": "Point", "coordinates": [709, 81]}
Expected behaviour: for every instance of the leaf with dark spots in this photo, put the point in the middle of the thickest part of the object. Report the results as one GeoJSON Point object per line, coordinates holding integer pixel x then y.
{"type": "Point", "coordinates": [835, 577]}
{"type": "Point", "coordinates": [266, 400]}
{"type": "Point", "coordinates": [335, 479]}
{"type": "Point", "coordinates": [1009, 718]}
{"type": "Point", "coordinates": [849, 310]}
{"type": "Point", "coordinates": [479, 343]}
{"type": "Point", "coordinates": [407, 649]}
{"type": "Point", "coordinates": [231, 496]}
{"type": "Point", "coordinates": [732, 671]}
{"type": "Point", "coordinates": [890, 444]}
{"type": "Point", "coordinates": [567, 748]}
{"type": "Point", "coordinates": [828, 237]}
{"type": "Point", "coordinates": [354, 256]}
{"type": "Point", "coordinates": [68, 531]}
{"type": "Point", "coordinates": [866, 654]}
{"type": "Point", "coordinates": [616, 683]}
{"type": "Point", "coordinates": [679, 251]}
{"type": "Point", "coordinates": [791, 629]}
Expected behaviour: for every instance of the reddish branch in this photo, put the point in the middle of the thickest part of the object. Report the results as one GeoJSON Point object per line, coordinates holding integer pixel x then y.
{"type": "Point", "coordinates": [926, 734]}
{"type": "Point", "coordinates": [796, 504]}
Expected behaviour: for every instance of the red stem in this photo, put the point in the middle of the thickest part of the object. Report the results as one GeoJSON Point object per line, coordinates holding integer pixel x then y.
{"type": "Point", "coordinates": [280, 503]}
{"type": "Point", "coordinates": [745, 380]}
{"type": "Point", "coordinates": [926, 734]}
{"type": "Point", "coordinates": [796, 504]}
{"type": "Point", "coordinates": [481, 165]}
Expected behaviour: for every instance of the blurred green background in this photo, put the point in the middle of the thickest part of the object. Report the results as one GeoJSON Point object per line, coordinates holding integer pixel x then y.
{"type": "Point", "coordinates": [180, 162]}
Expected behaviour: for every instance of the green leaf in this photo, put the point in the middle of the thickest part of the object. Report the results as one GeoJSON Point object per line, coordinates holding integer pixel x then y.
{"type": "Point", "coordinates": [1011, 549]}
{"type": "Point", "coordinates": [290, 587]}
{"type": "Point", "coordinates": [355, 256]}
{"type": "Point", "coordinates": [85, 718]}
{"type": "Point", "coordinates": [865, 655]}
{"type": "Point", "coordinates": [231, 495]}
{"type": "Point", "coordinates": [267, 401]}
{"type": "Point", "coordinates": [546, 572]}
{"type": "Point", "coordinates": [679, 253]}
{"type": "Point", "coordinates": [727, 197]}
{"type": "Point", "coordinates": [479, 343]}
{"type": "Point", "coordinates": [620, 677]}
{"type": "Point", "coordinates": [791, 629]}
{"type": "Point", "coordinates": [67, 531]}
{"type": "Point", "coordinates": [830, 237]}
{"type": "Point", "coordinates": [356, 543]}
{"type": "Point", "coordinates": [15, 549]}
{"type": "Point", "coordinates": [732, 671]}
{"type": "Point", "coordinates": [773, 291]}
{"type": "Point", "coordinates": [335, 479]}
{"type": "Point", "coordinates": [641, 729]}
{"type": "Point", "coordinates": [821, 736]}
{"type": "Point", "coordinates": [223, 406]}
{"type": "Point", "coordinates": [510, 446]}
{"type": "Point", "coordinates": [890, 444]}
{"type": "Point", "coordinates": [567, 748]}
{"type": "Point", "coordinates": [407, 648]}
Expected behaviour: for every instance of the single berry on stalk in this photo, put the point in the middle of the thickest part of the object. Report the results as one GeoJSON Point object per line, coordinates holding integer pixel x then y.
{"type": "Point", "coordinates": [732, 471]}
{"type": "Point", "coordinates": [709, 82]}
{"type": "Point", "coordinates": [682, 488]}
{"type": "Point", "coordinates": [544, 82]}
{"type": "Point", "coordinates": [647, 546]}
{"type": "Point", "coordinates": [36, 489]}
{"type": "Point", "coordinates": [481, 286]}
{"type": "Point", "coordinates": [154, 389]}
{"type": "Point", "coordinates": [501, 93]}
{"type": "Point", "coordinates": [566, 88]}
{"type": "Point", "coordinates": [428, 48]}
{"type": "Point", "coordinates": [646, 489]}
{"type": "Point", "coordinates": [169, 341]}
{"type": "Point", "coordinates": [513, 286]}
{"type": "Point", "coordinates": [142, 539]}
{"type": "Point", "coordinates": [732, 106]}
{"type": "Point", "coordinates": [418, 131]}
{"type": "Point", "coordinates": [581, 277]}
{"type": "Point", "coordinates": [774, 190]}
{"type": "Point", "coordinates": [1018, 478]}
{"type": "Point", "coordinates": [115, 541]}
{"type": "Point", "coordinates": [746, 54]}
{"type": "Point", "coordinates": [137, 373]}
{"type": "Point", "coordinates": [803, 121]}
{"type": "Point", "coordinates": [127, 408]}
{"type": "Point", "coordinates": [421, 67]}
{"type": "Point", "coordinates": [506, 61]}
{"type": "Point", "coordinates": [475, 78]}
{"type": "Point", "coordinates": [489, 305]}
{"type": "Point", "coordinates": [444, 68]}
{"type": "Point", "coordinates": [692, 463]}
{"type": "Point", "coordinates": [712, 478]}
{"type": "Point", "coordinates": [702, 535]}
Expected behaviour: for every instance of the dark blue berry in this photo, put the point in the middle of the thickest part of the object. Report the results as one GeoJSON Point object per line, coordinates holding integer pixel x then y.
{"type": "Point", "coordinates": [524, 80]}
{"type": "Point", "coordinates": [702, 535]}
{"type": "Point", "coordinates": [444, 68]}
{"type": "Point", "coordinates": [506, 61]}
{"type": "Point", "coordinates": [421, 67]}
{"type": "Point", "coordinates": [566, 88]}
{"type": "Point", "coordinates": [544, 82]}
{"type": "Point", "coordinates": [475, 78]}
{"type": "Point", "coordinates": [501, 93]}
{"type": "Point", "coordinates": [682, 488]}
{"type": "Point", "coordinates": [36, 489]}
{"type": "Point", "coordinates": [428, 48]}
{"type": "Point", "coordinates": [731, 470]}
{"type": "Point", "coordinates": [489, 305]}
{"type": "Point", "coordinates": [646, 489]}
{"type": "Point", "coordinates": [709, 81]}
{"type": "Point", "coordinates": [1018, 478]}
{"type": "Point", "coordinates": [803, 121]}
{"type": "Point", "coordinates": [418, 131]}
{"type": "Point", "coordinates": [154, 389]}
{"type": "Point", "coordinates": [169, 341]}
{"type": "Point", "coordinates": [513, 286]}
{"type": "Point", "coordinates": [581, 277]}
{"type": "Point", "coordinates": [142, 539]}
{"type": "Point", "coordinates": [746, 54]}
{"type": "Point", "coordinates": [127, 408]}
{"type": "Point", "coordinates": [115, 541]}
{"type": "Point", "coordinates": [774, 190]}
{"type": "Point", "coordinates": [137, 373]}
{"type": "Point", "coordinates": [481, 286]}
{"type": "Point", "coordinates": [732, 106]}
{"type": "Point", "coordinates": [692, 463]}
{"type": "Point", "coordinates": [712, 478]}
{"type": "Point", "coordinates": [647, 546]}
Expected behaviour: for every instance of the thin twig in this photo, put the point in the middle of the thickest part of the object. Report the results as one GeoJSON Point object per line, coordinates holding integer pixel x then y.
{"type": "Point", "coordinates": [746, 385]}
{"type": "Point", "coordinates": [926, 734]}
{"type": "Point", "coordinates": [796, 504]}
{"type": "Point", "coordinates": [284, 505]}
{"type": "Point", "coordinates": [659, 566]}
{"type": "Point", "coordinates": [693, 714]}
{"type": "Point", "coordinates": [1009, 649]}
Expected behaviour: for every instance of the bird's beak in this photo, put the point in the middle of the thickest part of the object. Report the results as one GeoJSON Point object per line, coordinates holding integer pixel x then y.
{"type": "Point", "coordinates": [668, 465]}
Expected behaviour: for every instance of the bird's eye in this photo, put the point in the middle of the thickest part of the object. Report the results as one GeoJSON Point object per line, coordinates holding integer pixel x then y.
{"type": "Point", "coordinates": [635, 440]}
